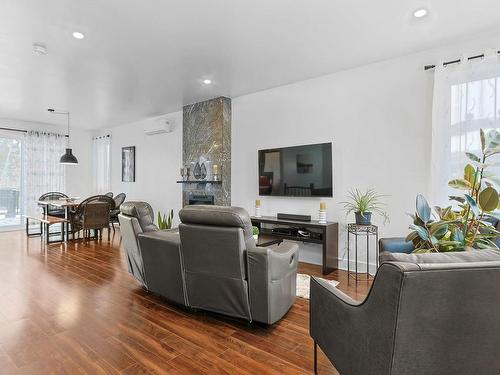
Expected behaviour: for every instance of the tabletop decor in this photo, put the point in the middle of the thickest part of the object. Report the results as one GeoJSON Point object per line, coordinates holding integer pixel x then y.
{"type": "Point", "coordinates": [466, 227]}
{"type": "Point", "coordinates": [364, 205]}
{"type": "Point", "coordinates": [197, 171]}
{"type": "Point", "coordinates": [203, 171]}
{"type": "Point", "coordinates": [257, 208]}
{"type": "Point", "coordinates": [207, 165]}
{"type": "Point", "coordinates": [215, 172]}
{"type": "Point", "coordinates": [322, 213]}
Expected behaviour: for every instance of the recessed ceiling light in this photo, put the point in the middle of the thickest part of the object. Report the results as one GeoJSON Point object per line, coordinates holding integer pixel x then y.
{"type": "Point", "coordinates": [78, 35]}
{"type": "Point", "coordinates": [39, 48]}
{"type": "Point", "coordinates": [419, 13]}
{"type": "Point", "coordinates": [207, 81]}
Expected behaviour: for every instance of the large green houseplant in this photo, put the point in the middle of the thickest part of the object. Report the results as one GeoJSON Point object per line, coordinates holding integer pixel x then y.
{"type": "Point", "coordinates": [465, 227]}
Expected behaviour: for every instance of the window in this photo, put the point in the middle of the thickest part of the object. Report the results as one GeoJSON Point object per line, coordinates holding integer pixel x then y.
{"type": "Point", "coordinates": [101, 164]}
{"type": "Point", "coordinates": [10, 181]}
{"type": "Point", "coordinates": [466, 99]}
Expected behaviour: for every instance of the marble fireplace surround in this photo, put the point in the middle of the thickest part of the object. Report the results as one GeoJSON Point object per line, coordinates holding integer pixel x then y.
{"type": "Point", "coordinates": [206, 133]}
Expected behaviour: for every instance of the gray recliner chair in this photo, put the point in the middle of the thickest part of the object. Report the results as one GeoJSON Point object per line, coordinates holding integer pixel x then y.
{"type": "Point", "coordinates": [426, 314]}
{"type": "Point", "coordinates": [153, 255]}
{"type": "Point", "coordinates": [226, 273]}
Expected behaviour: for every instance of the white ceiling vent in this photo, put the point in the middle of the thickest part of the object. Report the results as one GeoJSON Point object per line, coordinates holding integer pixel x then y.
{"type": "Point", "coordinates": [159, 126]}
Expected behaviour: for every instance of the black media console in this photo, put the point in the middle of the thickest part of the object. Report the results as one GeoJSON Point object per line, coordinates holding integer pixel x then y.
{"type": "Point", "coordinates": [326, 235]}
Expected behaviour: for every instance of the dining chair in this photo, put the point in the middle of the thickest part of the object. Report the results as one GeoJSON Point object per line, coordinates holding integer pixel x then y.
{"type": "Point", "coordinates": [76, 217]}
{"type": "Point", "coordinates": [119, 199]}
{"type": "Point", "coordinates": [90, 215]}
{"type": "Point", "coordinates": [52, 210]}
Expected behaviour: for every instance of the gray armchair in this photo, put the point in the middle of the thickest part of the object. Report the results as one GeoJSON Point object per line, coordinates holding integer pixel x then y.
{"type": "Point", "coordinates": [226, 273]}
{"type": "Point", "coordinates": [153, 255]}
{"type": "Point", "coordinates": [426, 314]}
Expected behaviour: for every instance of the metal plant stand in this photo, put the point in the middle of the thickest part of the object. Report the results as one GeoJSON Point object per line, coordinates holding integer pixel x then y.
{"type": "Point", "coordinates": [363, 231]}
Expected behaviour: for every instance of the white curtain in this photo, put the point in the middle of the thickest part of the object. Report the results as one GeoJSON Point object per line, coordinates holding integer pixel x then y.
{"type": "Point", "coordinates": [101, 164]}
{"type": "Point", "coordinates": [466, 99]}
{"type": "Point", "coordinates": [42, 172]}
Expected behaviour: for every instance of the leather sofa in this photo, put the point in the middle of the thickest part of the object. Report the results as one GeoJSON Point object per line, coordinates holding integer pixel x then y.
{"type": "Point", "coordinates": [426, 314]}
{"type": "Point", "coordinates": [213, 260]}
{"type": "Point", "coordinates": [153, 255]}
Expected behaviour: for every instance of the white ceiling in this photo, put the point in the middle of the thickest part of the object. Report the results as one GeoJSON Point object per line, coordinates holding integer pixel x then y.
{"type": "Point", "coordinates": [142, 58]}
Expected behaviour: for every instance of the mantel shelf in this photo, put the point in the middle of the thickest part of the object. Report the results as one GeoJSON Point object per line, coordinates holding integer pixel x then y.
{"type": "Point", "coordinates": [200, 182]}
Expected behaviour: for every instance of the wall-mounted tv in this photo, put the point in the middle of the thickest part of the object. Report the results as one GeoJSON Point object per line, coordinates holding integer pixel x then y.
{"type": "Point", "coordinates": [298, 171]}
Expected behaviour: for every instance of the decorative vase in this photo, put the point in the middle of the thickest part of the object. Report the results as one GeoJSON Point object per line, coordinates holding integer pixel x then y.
{"type": "Point", "coordinates": [203, 171]}
{"type": "Point", "coordinates": [209, 170]}
{"type": "Point", "coordinates": [363, 219]}
{"type": "Point", "coordinates": [197, 171]}
{"type": "Point", "coordinates": [256, 237]}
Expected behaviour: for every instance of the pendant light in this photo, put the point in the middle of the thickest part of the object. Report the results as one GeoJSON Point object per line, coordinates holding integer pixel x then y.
{"type": "Point", "coordinates": [68, 158]}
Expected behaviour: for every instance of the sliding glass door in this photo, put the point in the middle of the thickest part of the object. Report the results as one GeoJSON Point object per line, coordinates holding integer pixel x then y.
{"type": "Point", "coordinates": [10, 181]}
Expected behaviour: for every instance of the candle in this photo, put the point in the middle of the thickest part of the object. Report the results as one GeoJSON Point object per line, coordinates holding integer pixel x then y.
{"type": "Point", "coordinates": [215, 168]}
{"type": "Point", "coordinates": [257, 208]}
{"type": "Point", "coordinates": [322, 206]}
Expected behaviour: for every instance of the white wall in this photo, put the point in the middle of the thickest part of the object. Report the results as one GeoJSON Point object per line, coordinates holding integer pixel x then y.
{"type": "Point", "coordinates": [377, 116]}
{"type": "Point", "coordinates": [78, 177]}
{"type": "Point", "coordinates": [158, 159]}
{"type": "Point", "coordinates": [379, 120]}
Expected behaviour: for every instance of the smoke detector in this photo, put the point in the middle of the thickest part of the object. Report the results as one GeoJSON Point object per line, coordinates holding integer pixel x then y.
{"type": "Point", "coordinates": [39, 49]}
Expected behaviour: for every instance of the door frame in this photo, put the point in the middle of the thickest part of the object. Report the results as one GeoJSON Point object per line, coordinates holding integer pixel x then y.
{"type": "Point", "coordinates": [19, 137]}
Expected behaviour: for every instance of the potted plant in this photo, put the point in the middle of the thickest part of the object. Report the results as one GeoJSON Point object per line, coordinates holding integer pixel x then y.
{"type": "Point", "coordinates": [364, 205]}
{"type": "Point", "coordinates": [256, 232]}
{"type": "Point", "coordinates": [165, 222]}
{"type": "Point", "coordinates": [467, 226]}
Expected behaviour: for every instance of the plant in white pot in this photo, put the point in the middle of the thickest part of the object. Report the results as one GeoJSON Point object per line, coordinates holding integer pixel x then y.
{"type": "Point", "coordinates": [256, 233]}
{"type": "Point", "coordinates": [364, 204]}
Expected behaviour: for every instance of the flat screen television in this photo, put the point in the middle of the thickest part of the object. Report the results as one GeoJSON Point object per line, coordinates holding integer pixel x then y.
{"type": "Point", "coordinates": [298, 171]}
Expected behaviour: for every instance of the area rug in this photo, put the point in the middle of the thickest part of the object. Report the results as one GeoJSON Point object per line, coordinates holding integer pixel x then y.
{"type": "Point", "coordinates": [303, 285]}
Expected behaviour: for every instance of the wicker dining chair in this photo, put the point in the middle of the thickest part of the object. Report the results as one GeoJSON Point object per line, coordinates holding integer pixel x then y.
{"type": "Point", "coordinates": [90, 215]}
{"type": "Point", "coordinates": [77, 217]}
{"type": "Point", "coordinates": [119, 199]}
{"type": "Point", "coordinates": [52, 210]}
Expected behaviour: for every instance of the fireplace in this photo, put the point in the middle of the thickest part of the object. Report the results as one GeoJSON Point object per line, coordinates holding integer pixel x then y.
{"type": "Point", "coordinates": [201, 199]}
{"type": "Point", "coordinates": [206, 133]}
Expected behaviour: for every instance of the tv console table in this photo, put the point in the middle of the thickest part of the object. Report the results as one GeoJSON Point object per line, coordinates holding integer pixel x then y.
{"type": "Point", "coordinates": [329, 234]}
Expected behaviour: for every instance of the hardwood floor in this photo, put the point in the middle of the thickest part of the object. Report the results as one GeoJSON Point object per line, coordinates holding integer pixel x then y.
{"type": "Point", "coordinates": [73, 308]}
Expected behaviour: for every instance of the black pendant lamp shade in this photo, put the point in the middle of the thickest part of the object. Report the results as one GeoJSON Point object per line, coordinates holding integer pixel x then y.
{"type": "Point", "coordinates": [68, 158]}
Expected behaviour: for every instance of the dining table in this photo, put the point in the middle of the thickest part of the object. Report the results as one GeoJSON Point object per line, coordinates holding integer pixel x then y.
{"type": "Point", "coordinates": [66, 204]}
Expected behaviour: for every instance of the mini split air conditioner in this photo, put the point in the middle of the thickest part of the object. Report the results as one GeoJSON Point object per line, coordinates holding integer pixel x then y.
{"type": "Point", "coordinates": [158, 127]}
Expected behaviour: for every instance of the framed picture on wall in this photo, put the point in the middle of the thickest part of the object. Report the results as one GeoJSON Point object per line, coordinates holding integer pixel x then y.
{"type": "Point", "coordinates": [128, 164]}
